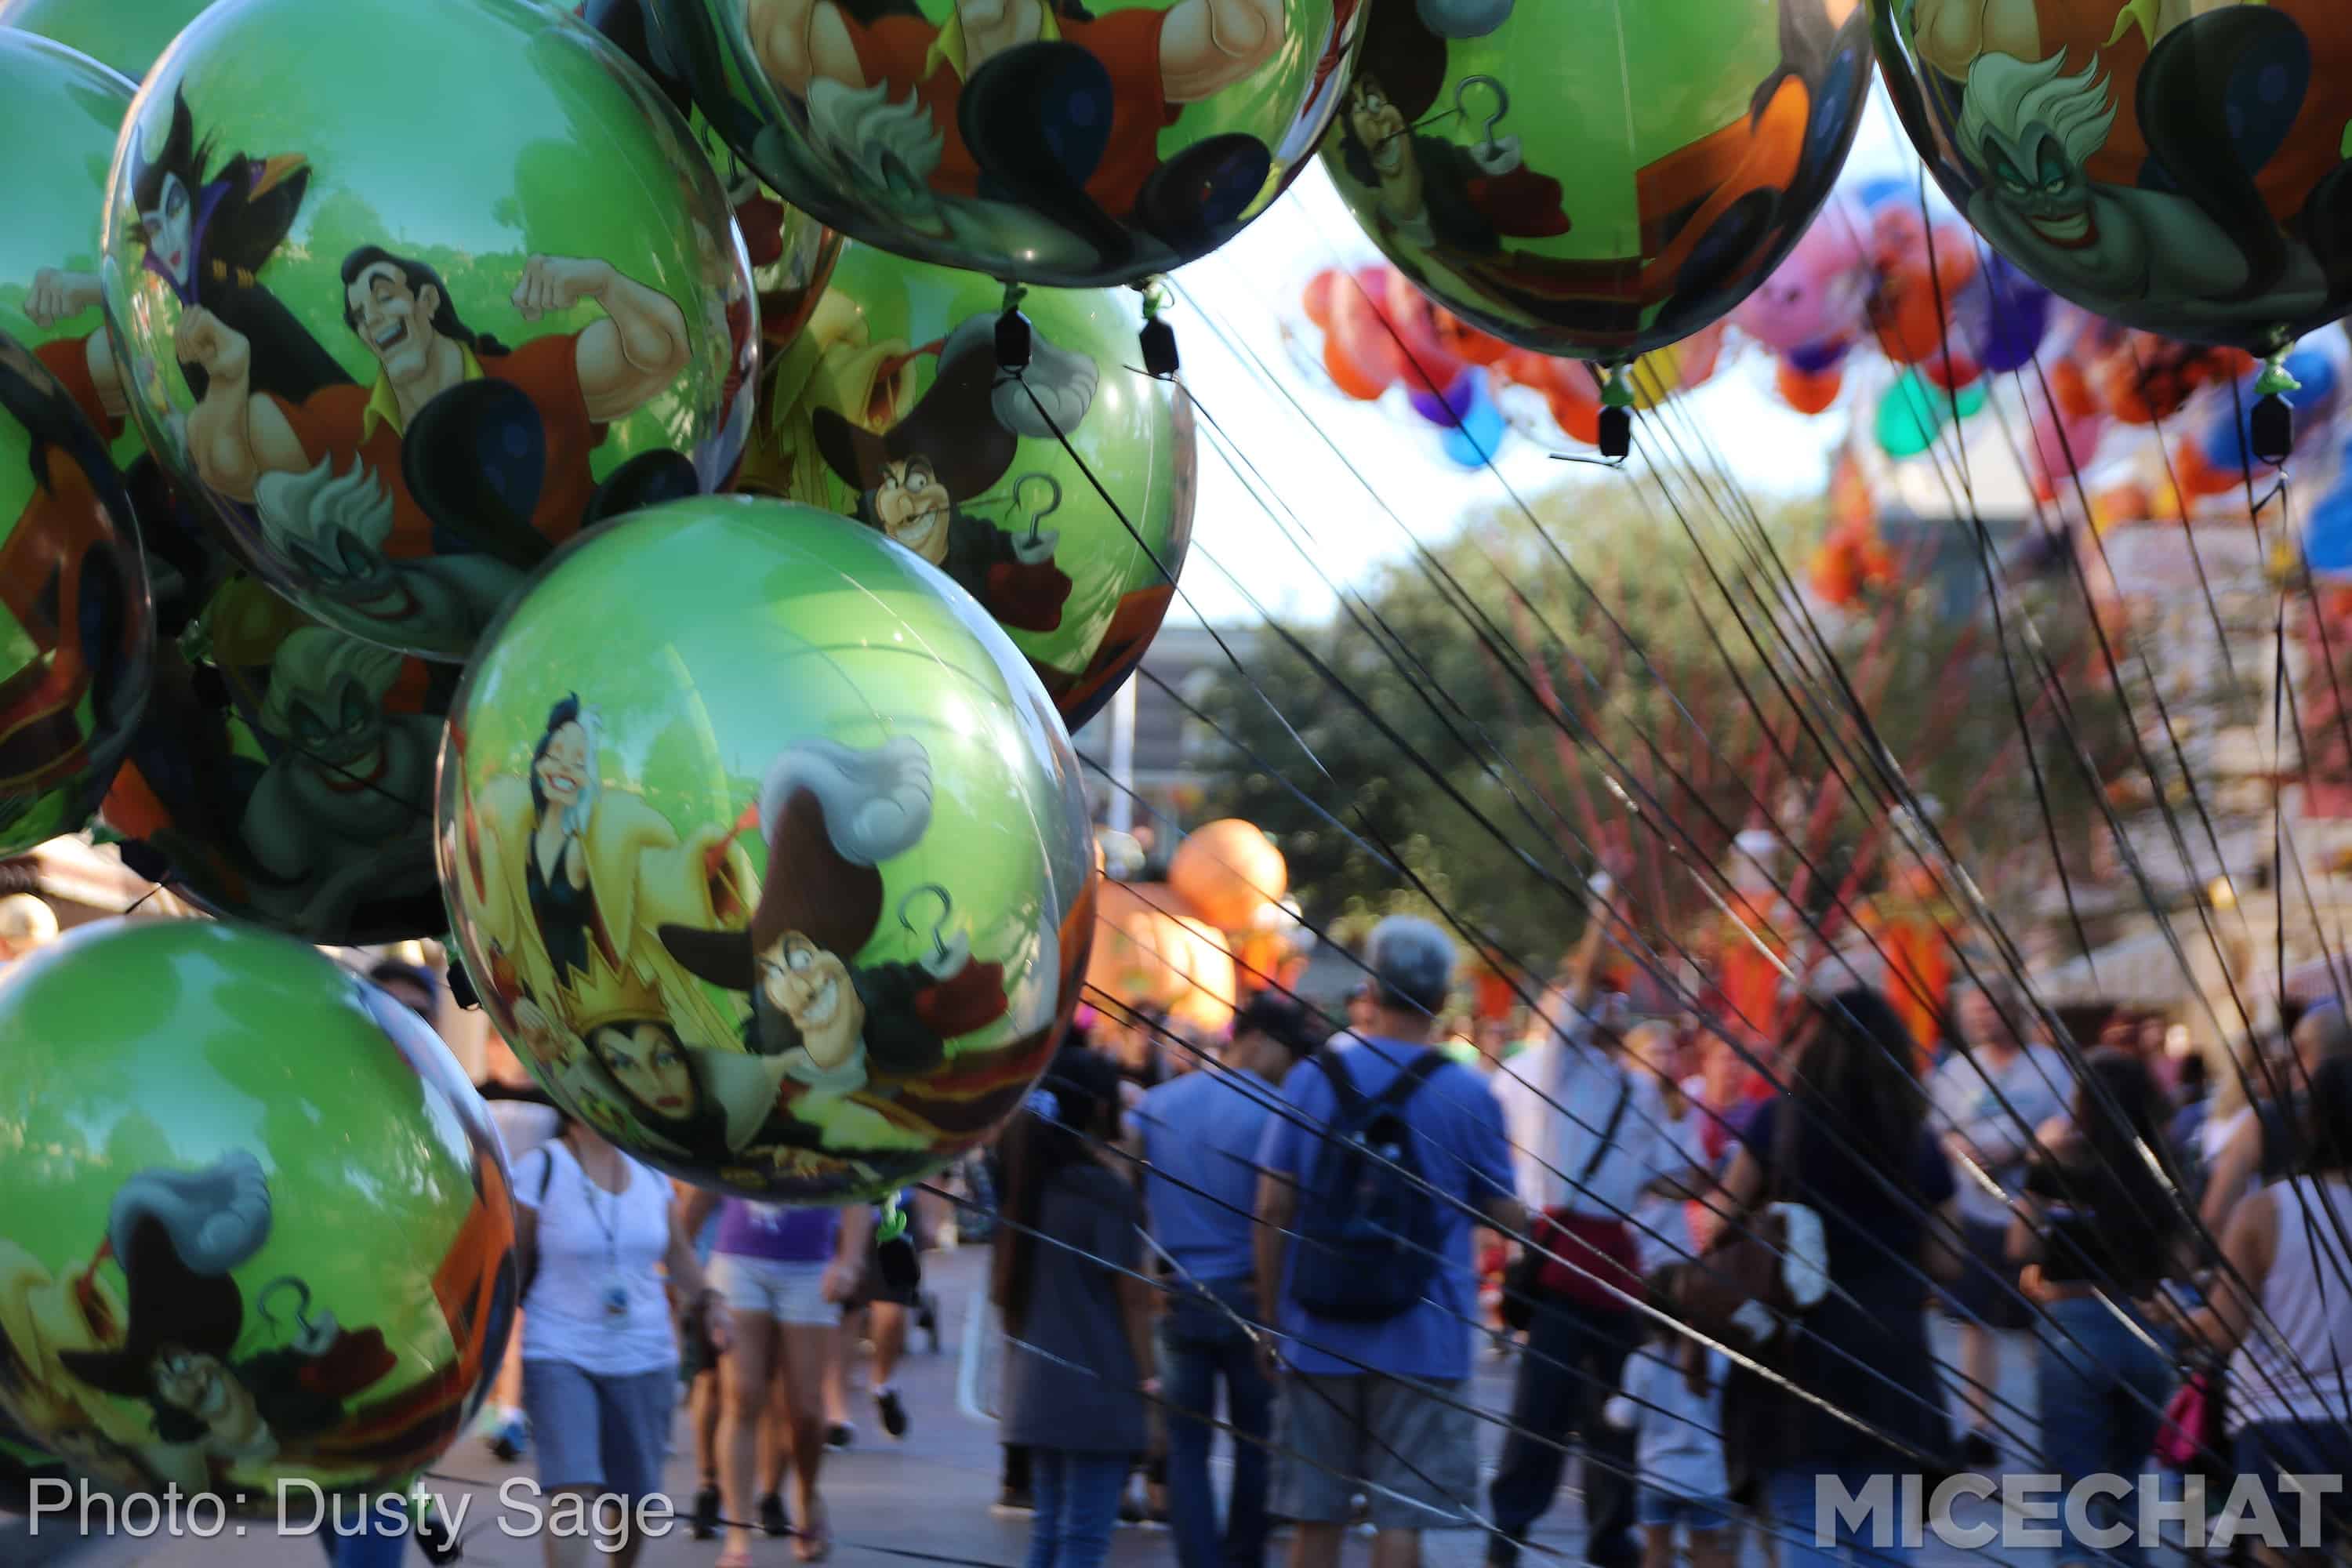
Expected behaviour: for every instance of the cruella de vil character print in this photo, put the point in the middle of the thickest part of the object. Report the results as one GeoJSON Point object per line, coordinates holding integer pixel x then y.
{"type": "Point", "coordinates": [858, 1044]}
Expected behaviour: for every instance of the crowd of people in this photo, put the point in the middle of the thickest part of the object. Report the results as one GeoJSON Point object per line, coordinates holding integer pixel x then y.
{"type": "Point", "coordinates": [1300, 1240]}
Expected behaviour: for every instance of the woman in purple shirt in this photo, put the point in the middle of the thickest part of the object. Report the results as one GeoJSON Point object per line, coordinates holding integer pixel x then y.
{"type": "Point", "coordinates": [785, 1273]}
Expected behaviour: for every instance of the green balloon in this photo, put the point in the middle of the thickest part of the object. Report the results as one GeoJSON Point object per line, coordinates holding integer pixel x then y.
{"type": "Point", "coordinates": [1591, 177]}
{"type": "Point", "coordinates": [1909, 416]}
{"type": "Point", "coordinates": [2176, 168]}
{"type": "Point", "coordinates": [127, 35]}
{"type": "Point", "coordinates": [547, 319]}
{"type": "Point", "coordinates": [1971, 398]}
{"type": "Point", "coordinates": [76, 637]}
{"type": "Point", "coordinates": [889, 407]}
{"type": "Point", "coordinates": [77, 633]}
{"type": "Point", "coordinates": [1054, 144]}
{"type": "Point", "coordinates": [822, 882]}
{"type": "Point", "coordinates": [71, 108]}
{"type": "Point", "coordinates": [285, 775]}
{"type": "Point", "coordinates": [226, 1149]}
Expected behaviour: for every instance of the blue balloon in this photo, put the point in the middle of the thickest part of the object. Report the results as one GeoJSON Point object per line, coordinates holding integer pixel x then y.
{"type": "Point", "coordinates": [1480, 436]}
{"type": "Point", "coordinates": [2229, 443]}
{"type": "Point", "coordinates": [2327, 527]}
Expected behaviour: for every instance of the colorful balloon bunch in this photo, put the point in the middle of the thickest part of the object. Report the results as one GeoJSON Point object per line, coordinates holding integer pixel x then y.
{"type": "Point", "coordinates": [1380, 333]}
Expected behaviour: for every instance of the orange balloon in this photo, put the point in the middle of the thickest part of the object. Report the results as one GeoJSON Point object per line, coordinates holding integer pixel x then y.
{"type": "Point", "coordinates": [1810, 393]}
{"type": "Point", "coordinates": [1152, 958]}
{"type": "Point", "coordinates": [1348, 376]}
{"type": "Point", "coordinates": [1228, 870]}
{"type": "Point", "coordinates": [1467, 343]}
{"type": "Point", "coordinates": [1206, 1002]}
{"type": "Point", "coordinates": [2197, 478]}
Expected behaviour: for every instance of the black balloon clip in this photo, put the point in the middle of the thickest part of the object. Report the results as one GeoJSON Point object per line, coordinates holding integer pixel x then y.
{"type": "Point", "coordinates": [1013, 342]}
{"type": "Point", "coordinates": [2272, 425]}
{"type": "Point", "coordinates": [1159, 349]}
{"type": "Point", "coordinates": [461, 984]}
{"type": "Point", "coordinates": [1616, 432]}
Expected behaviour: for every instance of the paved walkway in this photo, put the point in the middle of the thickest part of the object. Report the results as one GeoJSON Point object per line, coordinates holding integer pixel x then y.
{"type": "Point", "coordinates": [929, 1495]}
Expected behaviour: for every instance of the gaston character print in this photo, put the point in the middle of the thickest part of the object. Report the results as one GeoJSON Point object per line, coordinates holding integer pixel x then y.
{"type": "Point", "coordinates": [1041, 106]}
{"type": "Point", "coordinates": [574, 384]}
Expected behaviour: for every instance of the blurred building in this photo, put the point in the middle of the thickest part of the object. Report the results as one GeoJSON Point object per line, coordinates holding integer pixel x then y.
{"type": "Point", "coordinates": [1149, 734]}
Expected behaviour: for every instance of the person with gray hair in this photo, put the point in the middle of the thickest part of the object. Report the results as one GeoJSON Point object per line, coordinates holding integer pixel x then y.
{"type": "Point", "coordinates": [1378, 1349]}
{"type": "Point", "coordinates": [1987, 1099]}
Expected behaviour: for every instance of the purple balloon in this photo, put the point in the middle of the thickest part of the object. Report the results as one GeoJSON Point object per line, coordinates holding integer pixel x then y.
{"type": "Point", "coordinates": [2012, 317]}
{"type": "Point", "coordinates": [1447, 411]}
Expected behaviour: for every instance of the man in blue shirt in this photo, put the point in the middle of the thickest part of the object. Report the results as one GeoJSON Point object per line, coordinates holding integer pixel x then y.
{"type": "Point", "coordinates": [1382, 1406]}
{"type": "Point", "coordinates": [1201, 1136]}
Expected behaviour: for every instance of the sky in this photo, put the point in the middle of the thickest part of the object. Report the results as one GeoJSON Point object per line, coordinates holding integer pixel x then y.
{"type": "Point", "coordinates": [1241, 326]}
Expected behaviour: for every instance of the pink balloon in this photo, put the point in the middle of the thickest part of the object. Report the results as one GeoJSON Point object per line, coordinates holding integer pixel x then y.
{"type": "Point", "coordinates": [1817, 295]}
{"type": "Point", "coordinates": [2063, 448]}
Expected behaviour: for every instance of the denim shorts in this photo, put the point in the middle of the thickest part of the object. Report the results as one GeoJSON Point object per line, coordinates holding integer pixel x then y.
{"type": "Point", "coordinates": [605, 1434]}
{"type": "Point", "coordinates": [1667, 1508]}
{"type": "Point", "coordinates": [791, 1293]}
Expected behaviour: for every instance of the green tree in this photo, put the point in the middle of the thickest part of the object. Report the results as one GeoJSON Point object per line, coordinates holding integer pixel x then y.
{"type": "Point", "coordinates": [1498, 721]}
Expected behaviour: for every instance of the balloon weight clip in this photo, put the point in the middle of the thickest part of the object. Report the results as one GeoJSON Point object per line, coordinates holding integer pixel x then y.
{"type": "Point", "coordinates": [461, 984]}
{"type": "Point", "coordinates": [2271, 427]}
{"type": "Point", "coordinates": [1159, 359]}
{"type": "Point", "coordinates": [1012, 332]}
{"type": "Point", "coordinates": [1616, 433]}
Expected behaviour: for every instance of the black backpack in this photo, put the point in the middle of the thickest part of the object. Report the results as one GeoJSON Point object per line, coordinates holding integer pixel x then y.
{"type": "Point", "coordinates": [1368, 1223]}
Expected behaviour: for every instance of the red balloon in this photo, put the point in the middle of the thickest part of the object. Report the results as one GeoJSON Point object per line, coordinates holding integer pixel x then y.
{"type": "Point", "coordinates": [1317, 297]}
{"type": "Point", "coordinates": [1810, 393]}
{"type": "Point", "coordinates": [1428, 362]}
{"type": "Point", "coordinates": [1361, 331]}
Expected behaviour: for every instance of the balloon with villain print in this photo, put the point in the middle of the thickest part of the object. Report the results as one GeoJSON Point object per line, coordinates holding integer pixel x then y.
{"type": "Point", "coordinates": [792, 254]}
{"type": "Point", "coordinates": [285, 776]}
{"type": "Point", "coordinates": [398, 355]}
{"type": "Point", "coordinates": [1045, 140]}
{"type": "Point", "coordinates": [126, 36]}
{"type": "Point", "coordinates": [77, 633]}
{"type": "Point", "coordinates": [798, 909]}
{"type": "Point", "coordinates": [73, 108]}
{"type": "Point", "coordinates": [209, 1281]}
{"type": "Point", "coordinates": [1599, 201]}
{"type": "Point", "coordinates": [889, 407]}
{"type": "Point", "coordinates": [2177, 168]}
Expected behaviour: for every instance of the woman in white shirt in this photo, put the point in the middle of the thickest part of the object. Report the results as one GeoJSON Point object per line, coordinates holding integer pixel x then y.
{"type": "Point", "coordinates": [2290, 1406]}
{"type": "Point", "coordinates": [600, 1355]}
